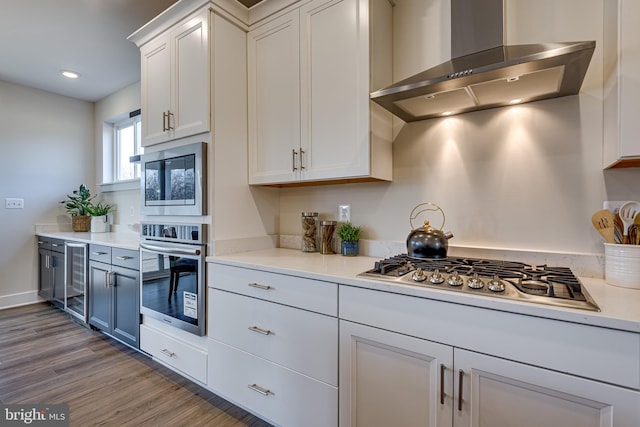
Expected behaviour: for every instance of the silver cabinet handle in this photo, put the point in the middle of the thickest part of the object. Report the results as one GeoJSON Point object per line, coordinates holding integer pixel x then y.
{"type": "Point", "coordinates": [98, 253]}
{"type": "Point", "coordinates": [442, 369]}
{"type": "Point", "coordinates": [261, 390]}
{"type": "Point", "coordinates": [164, 121]}
{"type": "Point", "coordinates": [460, 379]}
{"type": "Point", "coordinates": [259, 286]}
{"type": "Point", "coordinates": [47, 261]}
{"type": "Point", "coordinates": [167, 352]}
{"type": "Point", "coordinates": [260, 330]}
{"type": "Point", "coordinates": [301, 159]}
{"type": "Point", "coordinates": [169, 115]}
{"type": "Point", "coordinates": [294, 153]}
{"type": "Point", "coordinates": [55, 245]}
{"type": "Point", "coordinates": [107, 279]}
{"type": "Point", "coordinates": [124, 257]}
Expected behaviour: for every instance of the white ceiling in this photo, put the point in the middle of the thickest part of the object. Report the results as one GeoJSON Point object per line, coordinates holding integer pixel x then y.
{"type": "Point", "coordinates": [39, 38]}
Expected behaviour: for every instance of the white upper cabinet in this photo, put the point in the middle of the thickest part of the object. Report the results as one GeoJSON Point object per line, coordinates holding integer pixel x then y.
{"type": "Point", "coordinates": [310, 73]}
{"type": "Point", "coordinates": [622, 84]}
{"type": "Point", "coordinates": [175, 82]}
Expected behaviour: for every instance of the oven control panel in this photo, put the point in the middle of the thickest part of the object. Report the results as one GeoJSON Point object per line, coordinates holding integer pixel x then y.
{"type": "Point", "coordinates": [188, 233]}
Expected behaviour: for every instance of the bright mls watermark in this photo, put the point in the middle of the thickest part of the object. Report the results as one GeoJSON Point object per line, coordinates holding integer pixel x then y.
{"type": "Point", "coordinates": [34, 415]}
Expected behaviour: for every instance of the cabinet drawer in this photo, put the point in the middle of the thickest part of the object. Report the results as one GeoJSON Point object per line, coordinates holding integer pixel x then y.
{"type": "Point", "coordinates": [43, 242]}
{"type": "Point", "coordinates": [309, 294]}
{"type": "Point", "coordinates": [125, 258]}
{"type": "Point", "coordinates": [301, 340]}
{"type": "Point", "coordinates": [100, 253]}
{"type": "Point", "coordinates": [280, 395]}
{"type": "Point", "coordinates": [57, 245]}
{"type": "Point", "coordinates": [174, 352]}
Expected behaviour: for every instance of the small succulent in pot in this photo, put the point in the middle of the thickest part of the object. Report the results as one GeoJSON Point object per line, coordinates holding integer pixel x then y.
{"type": "Point", "coordinates": [349, 235]}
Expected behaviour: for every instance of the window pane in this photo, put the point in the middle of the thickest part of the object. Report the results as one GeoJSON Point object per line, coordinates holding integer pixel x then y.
{"type": "Point", "coordinates": [125, 149]}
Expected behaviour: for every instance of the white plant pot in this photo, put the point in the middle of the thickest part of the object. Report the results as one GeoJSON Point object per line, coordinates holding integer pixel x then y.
{"type": "Point", "coordinates": [99, 224]}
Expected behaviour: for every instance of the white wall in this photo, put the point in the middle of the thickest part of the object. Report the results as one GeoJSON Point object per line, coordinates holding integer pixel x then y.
{"type": "Point", "coordinates": [47, 152]}
{"type": "Point", "coordinates": [525, 177]}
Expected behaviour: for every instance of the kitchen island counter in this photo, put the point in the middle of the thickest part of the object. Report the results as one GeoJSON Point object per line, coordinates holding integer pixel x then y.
{"type": "Point", "coordinates": [619, 306]}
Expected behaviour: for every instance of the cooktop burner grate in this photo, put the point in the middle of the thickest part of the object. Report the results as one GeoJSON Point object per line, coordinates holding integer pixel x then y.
{"type": "Point", "coordinates": [534, 283]}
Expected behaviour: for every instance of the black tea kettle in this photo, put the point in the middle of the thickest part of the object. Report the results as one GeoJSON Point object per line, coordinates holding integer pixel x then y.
{"type": "Point", "coordinates": [426, 241]}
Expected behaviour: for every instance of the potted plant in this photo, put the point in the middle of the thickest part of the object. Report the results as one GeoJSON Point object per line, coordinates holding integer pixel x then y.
{"type": "Point", "coordinates": [99, 216]}
{"type": "Point", "coordinates": [77, 205]}
{"type": "Point", "coordinates": [349, 235]}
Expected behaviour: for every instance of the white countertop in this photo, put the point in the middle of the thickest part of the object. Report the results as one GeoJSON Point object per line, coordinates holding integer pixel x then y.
{"type": "Point", "coordinates": [117, 240]}
{"type": "Point", "coordinates": [620, 307]}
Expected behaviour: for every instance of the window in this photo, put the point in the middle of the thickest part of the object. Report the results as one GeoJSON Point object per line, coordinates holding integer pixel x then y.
{"type": "Point", "coordinates": [127, 137]}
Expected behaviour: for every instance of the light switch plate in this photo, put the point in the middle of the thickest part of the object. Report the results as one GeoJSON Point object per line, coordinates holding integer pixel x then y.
{"type": "Point", "coordinates": [344, 213]}
{"type": "Point", "coordinates": [13, 203]}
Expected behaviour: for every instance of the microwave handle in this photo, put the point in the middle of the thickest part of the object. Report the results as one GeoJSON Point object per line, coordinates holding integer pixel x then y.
{"type": "Point", "coordinates": [170, 251]}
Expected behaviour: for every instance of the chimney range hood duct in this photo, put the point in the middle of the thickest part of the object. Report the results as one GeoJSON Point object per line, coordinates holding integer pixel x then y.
{"type": "Point", "coordinates": [484, 72]}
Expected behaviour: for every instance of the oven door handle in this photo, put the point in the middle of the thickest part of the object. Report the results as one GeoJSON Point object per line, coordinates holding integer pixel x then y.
{"type": "Point", "coordinates": [170, 251]}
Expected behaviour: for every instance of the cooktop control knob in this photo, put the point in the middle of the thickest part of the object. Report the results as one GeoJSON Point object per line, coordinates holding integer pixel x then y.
{"type": "Point", "coordinates": [475, 282]}
{"type": "Point", "coordinates": [436, 277]}
{"type": "Point", "coordinates": [419, 275]}
{"type": "Point", "coordinates": [455, 279]}
{"type": "Point", "coordinates": [496, 285]}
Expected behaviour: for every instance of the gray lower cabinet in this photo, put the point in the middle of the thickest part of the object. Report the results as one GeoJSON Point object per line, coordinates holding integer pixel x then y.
{"type": "Point", "coordinates": [51, 270]}
{"type": "Point", "coordinates": [114, 292]}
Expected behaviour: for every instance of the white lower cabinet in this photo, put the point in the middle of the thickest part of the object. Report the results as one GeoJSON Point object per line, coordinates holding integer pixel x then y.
{"type": "Point", "coordinates": [394, 379]}
{"type": "Point", "coordinates": [388, 377]}
{"type": "Point", "coordinates": [174, 352]}
{"type": "Point", "coordinates": [273, 345]}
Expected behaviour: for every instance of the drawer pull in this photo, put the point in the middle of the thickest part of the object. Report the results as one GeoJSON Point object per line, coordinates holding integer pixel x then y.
{"type": "Point", "coordinates": [167, 352]}
{"type": "Point", "coordinates": [124, 257]}
{"type": "Point", "coordinates": [260, 330]}
{"type": "Point", "coordinates": [257, 388]}
{"type": "Point", "coordinates": [259, 286]}
{"type": "Point", "coordinates": [98, 253]}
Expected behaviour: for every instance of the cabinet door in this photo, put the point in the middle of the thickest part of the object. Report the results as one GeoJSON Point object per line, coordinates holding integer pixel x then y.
{"type": "Point", "coordinates": [126, 305]}
{"type": "Point", "coordinates": [57, 279]}
{"type": "Point", "coordinates": [156, 89]}
{"type": "Point", "coordinates": [190, 77]}
{"type": "Point", "coordinates": [274, 100]}
{"type": "Point", "coordinates": [334, 78]}
{"type": "Point", "coordinates": [389, 379]}
{"type": "Point", "coordinates": [629, 63]}
{"type": "Point", "coordinates": [100, 296]}
{"type": "Point", "coordinates": [44, 274]}
{"type": "Point", "coordinates": [497, 392]}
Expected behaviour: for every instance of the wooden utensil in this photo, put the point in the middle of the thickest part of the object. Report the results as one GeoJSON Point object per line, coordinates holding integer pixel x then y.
{"type": "Point", "coordinates": [617, 224]}
{"type": "Point", "coordinates": [603, 222]}
{"type": "Point", "coordinates": [634, 234]}
{"type": "Point", "coordinates": [628, 212]}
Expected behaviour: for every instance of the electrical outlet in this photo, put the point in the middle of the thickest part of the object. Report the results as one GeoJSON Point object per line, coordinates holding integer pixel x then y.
{"type": "Point", "coordinates": [132, 211]}
{"type": "Point", "coordinates": [613, 206]}
{"type": "Point", "coordinates": [344, 213]}
{"type": "Point", "coordinates": [13, 203]}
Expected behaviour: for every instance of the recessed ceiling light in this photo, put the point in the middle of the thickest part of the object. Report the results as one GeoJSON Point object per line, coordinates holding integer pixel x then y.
{"type": "Point", "coordinates": [515, 101]}
{"type": "Point", "coordinates": [70, 74]}
{"type": "Point", "coordinates": [513, 79]}
{"type": "Point", "coordinates": [447, 113]}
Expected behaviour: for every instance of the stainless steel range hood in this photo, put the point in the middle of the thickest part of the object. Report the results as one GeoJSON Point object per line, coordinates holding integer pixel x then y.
{"type": "Point", "coordinates": [484, 72]}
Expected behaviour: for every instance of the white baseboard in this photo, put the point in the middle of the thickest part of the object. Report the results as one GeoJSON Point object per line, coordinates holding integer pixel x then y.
{"type": "Point", "coordinates": [16, 300]}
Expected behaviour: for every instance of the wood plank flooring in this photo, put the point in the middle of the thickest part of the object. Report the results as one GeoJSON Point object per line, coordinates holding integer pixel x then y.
{"type": "Point", "coordinates": [48, 358]}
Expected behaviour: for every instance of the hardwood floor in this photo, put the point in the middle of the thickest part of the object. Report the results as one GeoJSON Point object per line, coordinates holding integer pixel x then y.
{"type": "Point", "coordinates": [47, 358]}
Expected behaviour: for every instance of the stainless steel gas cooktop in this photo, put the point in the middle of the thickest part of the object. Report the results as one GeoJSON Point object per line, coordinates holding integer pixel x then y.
{"type": "Point", "coordinates": [491, 278]}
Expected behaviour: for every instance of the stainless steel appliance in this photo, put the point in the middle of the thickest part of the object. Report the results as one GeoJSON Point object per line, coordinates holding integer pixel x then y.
{"type": "Point", "coordinates": [75, 279]}
{"type": "Point", "coordinates": [173, 288]}
{"type": "Point", "coordinates": [173, 181]}
{"type": "Point", "coordinates": [540, 284]}
{"type": "Point", "coordinates": [485, 73]}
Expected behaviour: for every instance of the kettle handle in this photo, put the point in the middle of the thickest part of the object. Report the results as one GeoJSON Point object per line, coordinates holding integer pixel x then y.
{"type": "Point", "coordinates": [430, 207]}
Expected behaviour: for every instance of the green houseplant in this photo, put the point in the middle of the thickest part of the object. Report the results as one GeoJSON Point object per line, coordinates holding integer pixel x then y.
{"type": "Point", "coordinates": [77, 205]}
{"type": "Point", "coordinates": [349, 236]}
{"type": "Point", "coordinates": [99, 216]}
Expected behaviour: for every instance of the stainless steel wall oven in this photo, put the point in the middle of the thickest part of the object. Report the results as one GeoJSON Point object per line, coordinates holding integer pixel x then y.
{"type": "Point", "coordinates": [173, 288]}
{"type": "Point", "coordinates": [173, 181]}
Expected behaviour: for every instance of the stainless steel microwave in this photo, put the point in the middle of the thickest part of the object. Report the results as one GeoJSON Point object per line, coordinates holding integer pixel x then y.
{"type": "Point", "coordinates": [173, 181]}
